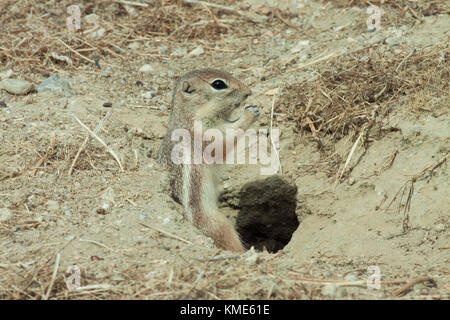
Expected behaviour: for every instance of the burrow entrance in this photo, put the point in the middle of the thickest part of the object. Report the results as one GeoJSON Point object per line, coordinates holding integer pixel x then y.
{"type": "Point", "coordinates": [267, 216]}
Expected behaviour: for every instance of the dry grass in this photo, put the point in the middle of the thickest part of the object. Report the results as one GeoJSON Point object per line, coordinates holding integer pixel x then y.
{"type": "Point", "coordinates": [355, 93]}
{"type": "Point", "coordinates": [395, 12]}
{"type": "Point", "coordinates": [419, 8]}
{"type": "Point", "coordinates": [359, 88]}
{"type": "Point", "coordinates": [33, 30]}
{"type": "Point", "coordinates": [225, 276]}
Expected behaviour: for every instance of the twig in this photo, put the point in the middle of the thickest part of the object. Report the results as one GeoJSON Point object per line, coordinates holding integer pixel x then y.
{"type": "Point", "coordinates": [408, 286]}
{"type": "Point", "coordinates": [221, 7]}
{"type": "Point", "coordinates": [274, 147]}
{"type": "Point", "coordinates": [200, 276]}
{"type": "Point", "coordinates": [45, 156]}
{"type": "Point", "coordinates": [350, 156]}
{"type": "Point", "coordinates": [97, 243]}
{"type": "Point", "coordinates": [323, 58]}
{"type": "Point", "coordinates": [101, 141]}
{"type": "Point", "coordinates": [55, 271]}
{"type": "Point", "coordinates": [132, 3]}
{"type": "Point", "coordinates": [278, 14]}
{"type": "Point", "coordinates": [96, 130]}
{"type": "Point", "coordinates": [90, 287]}
{"type": "Point", "coordinates": [168, 234]}
{"type": "Point", "coordinates": [219, 258]}
{"type": "Point", "coordinates": [430, 167]}
{"type": "Point", "coordinates": [406, 58]}
{"type": "Point", "coordinates": [76, 52]}
{"type": "Point", "coordinates": [346, 283]}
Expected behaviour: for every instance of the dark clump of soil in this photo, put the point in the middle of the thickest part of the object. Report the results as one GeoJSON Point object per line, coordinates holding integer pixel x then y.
{"type": "Point", "coordinates": [267, 216]}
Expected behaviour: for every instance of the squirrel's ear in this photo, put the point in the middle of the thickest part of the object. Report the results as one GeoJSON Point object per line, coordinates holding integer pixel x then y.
{"type": "Point", "coordinates": [186, 87]}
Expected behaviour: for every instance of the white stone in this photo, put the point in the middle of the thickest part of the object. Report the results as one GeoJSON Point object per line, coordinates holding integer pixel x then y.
{"type": "Point", "coordinates": [91, 18]}
{"type": "Point", "coordinates": [5, 214]}
{"type": "Point", "coordinates": [301, 45]}
{"type": "Point", "coordinates": [196, 52]}
{"type": "Point", "coordinates": [146, 68]}
{"type": "Point", "coordinates": [16, 86]}
{"type": "Point", "coordinates": [52, 205]}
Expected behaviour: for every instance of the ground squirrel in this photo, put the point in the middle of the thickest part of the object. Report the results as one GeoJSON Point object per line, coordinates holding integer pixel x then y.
{"type": "Point", "coordinates": [208, 96]}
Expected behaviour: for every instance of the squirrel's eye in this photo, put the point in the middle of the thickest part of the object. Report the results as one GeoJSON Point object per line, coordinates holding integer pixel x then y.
{"type": "Point", "coordinates": [219, 84]}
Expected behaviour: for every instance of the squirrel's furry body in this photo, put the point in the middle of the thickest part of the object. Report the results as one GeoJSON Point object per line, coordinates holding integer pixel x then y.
{"type": "Point", "coordinates": [209, 96]}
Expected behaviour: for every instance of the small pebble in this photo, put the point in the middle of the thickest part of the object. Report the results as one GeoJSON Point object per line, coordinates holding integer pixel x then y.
{"type": "Point", "coordinates": [16, 86]}
{"type": "Point", "coordinates": [97, 34]}
{"type": "Point", "coordinates": [142, 215]}
{"type": "Point", "coordinates": [179, 52]}
{"type": "Point", "coordinates": [106, 73]}
{"type": "Point", "coordinates": [351, 277]}
{"type": "Point", "coordinates": [196, 52]}
{"type": "Point", "coordinates": [334, 290]}
{"type": "Point", "coordinates": [440, 227]}
{"type": "Point", "coordinates": [52, 205]}
{"type": "Point", "coordinates": [301, 45]}
{"type": "Point", "coordinates": [91, 18]}
{"type": "Point", "coordinates": [148, 95]}
{"type": "Point", "coordinates": [146, 68]}
{"type": "Point", "coordinates": [107, 105]}
{"type": "Point", "coordinates": [5, 214]}
{"type": "Point", "coordinates": [55, 84]}
{"type": "Point", "coordinates": [6, 74]}
{"type": "Point", "coordinates": [166, 220]}
{"type": "Point", "coordinates": [162, 49]}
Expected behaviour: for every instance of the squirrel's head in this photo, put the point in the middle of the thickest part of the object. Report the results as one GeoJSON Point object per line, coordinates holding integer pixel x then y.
{"type": "Point", "coordinates": [209, 95]}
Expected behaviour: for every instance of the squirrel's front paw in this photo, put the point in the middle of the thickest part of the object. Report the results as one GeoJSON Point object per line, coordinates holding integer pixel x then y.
{"type": "Point", "coordinates": [254, 110]}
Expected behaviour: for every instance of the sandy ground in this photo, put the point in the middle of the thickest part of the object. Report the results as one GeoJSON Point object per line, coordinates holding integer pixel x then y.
{"type": "Point", "coordinates": [386, 209]}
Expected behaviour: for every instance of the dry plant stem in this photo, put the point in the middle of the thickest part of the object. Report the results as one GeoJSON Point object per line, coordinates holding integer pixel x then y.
{"type": "Point", "coordinates": [200, 276]}
{"type": "Point", "coordinates": [132, 3]}
{"type": "Point", "coordinates": [430, 167]}
{"type": "Point", "coordinates": [55, 271]}
{"type": "Point", "coordinates": [45, 156]}
{"type": "Point", "coordinates": [329, 56]}
{"type": "Point", "coordinates": [404, 60]}
{"type": "Point", "coordinates": [221, 7]}
{"type": "Point", "coordinates": [168, 234]}
{"type": "Point", "coordinates": [347, 283]}
{"type": "Point", "coordinates": [102, 142]}
{"type": "Point", "coordinates": [97, 243]}
{"type": "Point", "coordinates": [349, 156]}
{"type": "Point", "coordinates": [278, 14]}
{"type": "Point", "coordinates": [39, 268]}
{"type": "Point", "coordinates": [96, 130]}
{"type": "Point", "coordinates": [76, 52]}
{"type": "Point", "coordinates": [408, 286]}
{"type": "Point", "coordinates": [220, 258]}
{"type": "Point", "coordinates": [321, 59]}
{"type": "Point", "coordinates": [274, 147]}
